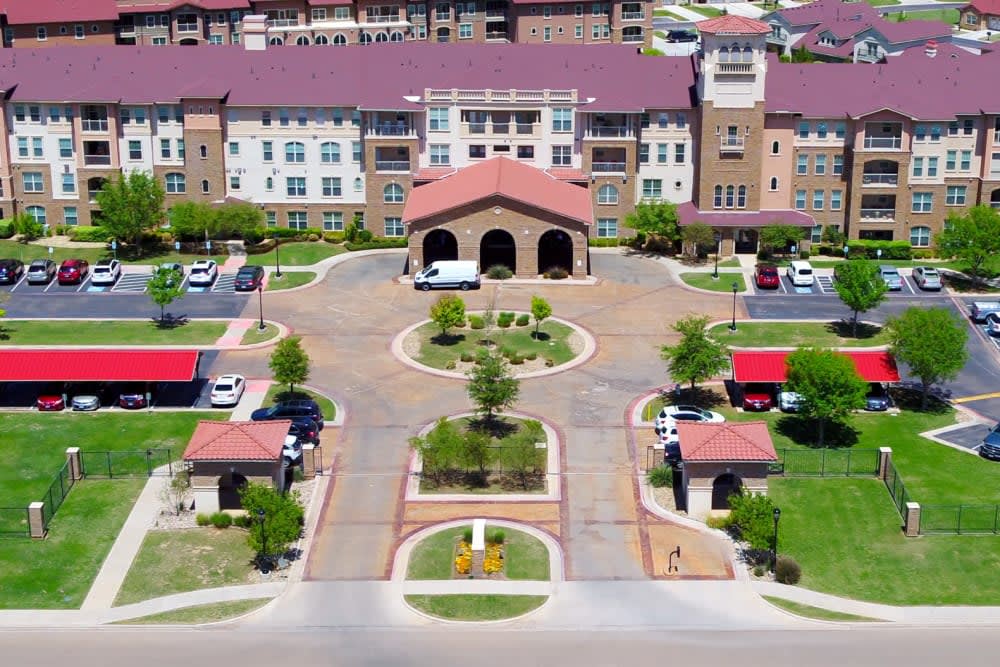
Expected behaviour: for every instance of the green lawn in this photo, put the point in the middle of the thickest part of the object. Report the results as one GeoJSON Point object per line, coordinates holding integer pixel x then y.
{"type": "Point", "coordinates": [660, 34]}
{"type": "Point", "coordinates": [298, 253]}
{"type": "Point", "coordinates": [290, 279]}
{"type": "Point", "coordinates": [705, 10]}
{"type": "Point", "coordinates": [845, 533]}
{"type": "Point", "coordinates": [796, 334]}
{"type": "Point", "coordinates": [106, 332]}
{"type": "Point", "coordinates": [29, 251]}
{"type": "Point", "coordinates": [433, 557]}
{"type": "Point", "coordinates": [818, 613]}
{"type": "Point", "coordinates": [254, 335]}
{"type": "Point", "coordinates": [179, 561]}
{"type": "Point", "coordinates": [882, 3]}
{"type": "Point", "coordinates": [945, 15]}
{"type": "Point", "coordinates": [438, 351]}
{"type": "Point", "coordinates": [525, 557]}
{"type": "Point", "coordinates": [56, 573]}
{"type": "Point", "coordinates": [202, 613]}
{"type": "Point", "coordinates": [476, 607]}
{"type": "Point", "coordinates": [723, 284]}
{"type": "Point", "coordinates": [279, 392]}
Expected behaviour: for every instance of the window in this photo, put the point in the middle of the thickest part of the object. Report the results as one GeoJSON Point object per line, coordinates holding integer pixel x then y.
{"type": "Point", "coordinates": [775, 148]}
{"type": "Point", "coordinates": [922, 202]}
{"type": "Point", "coordinates": [392, 194]}
{"type": "Point", "coordinates": [547, 11]}
{"type": "Point", "coordinates": [836, 199]}
{"type": "Point", "coordinates": [438, 119]}
{"type": "Point", "coordinates": [932, 167]}
{"type": "Point", "coordinates": [159, 41]}
{"type": "Point", "coordinates": [176, 183]}
{"type": "Point", "coordinates": [41, 33]}
{"type": "Point", "coordinates": [19, 113]}
{"type": "Point", "coordinates": [356, 151]}
{"type": "Point", "coordinates": [394, 227]}
{"type": "Point", "coordinates": [652, 188]}
{"type": "Point", "coordinates": [578, 31]}
{"type": "Point", "coordinates": [78, 32]}
{"type": "Point", "coordinates": [440, 154]}
{"type": "Point", "coordinates": [205, 186]}
{"type": "Point", "coordinates": [234, 183]}
{"type": "Point", "coordinates": [816, 234]}
{"type": "Point", "coordinates": [283, 117]}
{"type": "Point", "coordinates": [344, 14]}
{"type": "Point", "coordinates": [821, 130]}
{"type": "Point", "coordinates": [465, 31]}
{"type": "Point", "coordinates": [679, 156]}
{"type": "Point", "coordinates": [663, 120]}
{"type": "Point", "coordinates": [578, 10]}
{"type": "Point", "coordinates": [562, 120]}
{"type": "Point", "coordinates": [203, 151]}
{"type": "Point", "coordinates": [125, 115]}
{"type": "Point", "coordinates": [717, 197]}
{"type": "Point", "coordinates": [358, 185]}
{"type": "Point", "coordinates": [319, 14]}
{"type": "Point", "coordinates": [38, 213]}
{"type": "Point", "coordinates": [234, 148]}
{"type": "Point", "coordinates": [187, 23]}
{"type": "Point", "coordinates": [215, 39]}
{"type": "Point", "coordinates": [839, 130]}
{"type": "Point", "coordinates": [681, 120]}
{"type": "Point", "coordinates": [804, 129]}
{"type": "Point", "coordinates": [800, 200]}
{"type": "Point", "coordinates": [562, 156]}
{"type": "Point", "coordinates": [32, 181]}
{"type": "Point", "coordinates": [36, 147]}
{"type": "Point", "coordinates": [820, 165]}
{"type": "Point", "coordinates": [935, 133]}
{"type": "Point", "coordinates": [180, 149]}
{"type": "Point", "coordinates": [741, 197]}
{"type": "Point", "coordinates": [134, 150]}
{"type": "Point", "coordinates": [607, 228]}
{"type": "Point", "coordinates": [819, 196]}
{"type": "Point", "coordinates": [338, 117]}
{"type": "Point", "coordinates": [918, 167]}
{"type": "Point", "coordinates": [802, 164]}
{"type": "Point", "coordinates": [525, 152]}
{"type": "Point", "coordinates": [70, 217]}
{"type": "Point", "coordinates": [265, 118]}
{"type": "Point", "coordinates": [329, 152]}
{"type": "Point", "coordinates": [268, 150]}
{"type": "Point", "coordinates": [68, 184]}
{"type": "Point", "coordinates": [920, 236]}
{"type": "Point", "coordinates": [333, 221]}
{"type": "Point", "coordinates": [355, 118]}
{"type": "Point", "coordinates": [269, 184]}
{"type": "Point", "coordinates": [477, 151]}
{"type": "Point", "coordinates": [295, 152]}
{"type": "Point", "coordinates": [730, 196]}
{"type": "Point", "coordinates": [920, 133]}
{"type": "Point", "coordinates": [951, 160]}
{"type": "Point", "coordinates": [303, 118]}
{"type": "Point", "coordinates": [968, 125]}
{"type": "Point", "coordinates": [953, 128]}
{"type": "Point", "coordinates": [22, 146]}
{"type": "Point", "coordinates": [607, 194]}
{"type": "Point", "coordinates": [773, 184]}
{"type": "Point", "coordinates": [295, 186]}
{"type": "Point", "coordinates": [966, 163]}
{"type": "Point", "coordinates": [53, 114]}
{"type": "Point", "coordinates": [661, 153]}
{"type": "Point", "coordinates": [955, 195]}
{"type": "Point", "coordinates": [270, 218]}
{"type": "Point", "coordinates": [298, 220]}
{"type": "Point", "coordinates": [332, 187]}
{"type": "Point", "coordinates": [165, 149]}
{"type": "Point", "coordinates": [838, 165]}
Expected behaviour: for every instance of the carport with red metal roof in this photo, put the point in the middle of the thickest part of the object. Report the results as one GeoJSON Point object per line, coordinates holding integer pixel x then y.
{"type": "Point", "coordinates": [770, 366]}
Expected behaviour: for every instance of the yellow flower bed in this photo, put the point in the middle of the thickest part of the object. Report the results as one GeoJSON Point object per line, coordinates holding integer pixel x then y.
{"type": "Point", "coordinates": [493, 560]}
{"type": "Point", "coordinates": [463, 562]}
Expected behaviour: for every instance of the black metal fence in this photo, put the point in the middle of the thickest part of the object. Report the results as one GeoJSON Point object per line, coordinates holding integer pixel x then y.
{"type": "Point", "coordinates": [897, 490]}
{"type": "Point", "coordinates": [960, 519]}
{"type": "Point", "coordinates": [826, 463]}
{"type": "Point", "coordinates": [137, 463]}
{"type": "Point", "coordinates": [14, 522]}
{"type": "Point", "coordinates": [54, 496]}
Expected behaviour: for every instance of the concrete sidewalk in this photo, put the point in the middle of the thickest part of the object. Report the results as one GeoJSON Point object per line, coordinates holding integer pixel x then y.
{"type": "Point", "coordinates": [477, 587]}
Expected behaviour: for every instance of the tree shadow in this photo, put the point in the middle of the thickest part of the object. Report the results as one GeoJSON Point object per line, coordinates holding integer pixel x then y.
{"type": "Point", "coordinates": [843, 329]}
{"type": "Point", "coordinates": [805, 431]}
{"type": "Point", "coordinates": [4, 333]}
{"type": "Point", "coordinates": [497, 427]}
{"type": "Point", "coordinates": [286, 395]}
{"type": "Point", "coordinates": [447, 339]}
{"type": "Point", "coordinates": [540, 335]}
{"type": "Point", "coordinates": [705, 397]}
{"type": "Point", "coordinates": [960, 282]}
{"type": "Point", "coordinates": [907, 396]}
{"type": "Point", "coordinates": [170, 321]}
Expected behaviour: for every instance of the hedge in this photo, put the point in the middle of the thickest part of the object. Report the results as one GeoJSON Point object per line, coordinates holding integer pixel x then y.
{"type": "Point", "coordinates": [611, 242]}
{"type": "Point", "coordinates": [379, 243]}
{"type": "Point", "coordinates": [295, 234]}
{"type": "Point", "coordinates": [91, 234]}
{"type": "Point", "coordinates": [334, 237]}
{"type": "Point", "coordinates": [863, 249]}
{"type": "Point", "coordinates": [6, 229]}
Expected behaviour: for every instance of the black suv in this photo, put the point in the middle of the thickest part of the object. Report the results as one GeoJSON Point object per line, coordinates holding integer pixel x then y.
{"type": "Point", "coordinates": [249, 278]}
{"type": "Point", "coordinates": [681, 36]}
{"type": "Point", "coordinates": [11, 270]}
{"type": "Point", "coordinates": [305, 429]}
{"type": "Point", "coordinates": [290, 409]}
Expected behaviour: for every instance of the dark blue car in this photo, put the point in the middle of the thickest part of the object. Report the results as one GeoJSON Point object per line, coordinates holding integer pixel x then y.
{"type": "Point", "coordinates": [990, 449]}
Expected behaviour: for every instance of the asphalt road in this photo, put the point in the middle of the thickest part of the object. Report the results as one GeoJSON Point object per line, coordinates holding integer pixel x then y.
{"type": "Point", "coordinates": [121, 305]}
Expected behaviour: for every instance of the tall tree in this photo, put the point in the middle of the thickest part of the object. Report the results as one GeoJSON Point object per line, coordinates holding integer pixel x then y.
{"type": "Point", "coordinates": [439, 449]}
{"type": "Point", "coordinates": [540, 310]}
{"type": "Point", "coordinates": [696, 357]}
{"type": "Point", "coordinates": [520, 457]}
{"type": "Point", "coordinates": [657, 218]}
{"type": "Point", "coordinates": [778, 236]}
{"type": "Point", "coordinates": [240, 219]}
{"type": "Point", "coordinates": [860, 287]}
{"type": "Point", "coordinates": [477, 451]}
{"type": "Point", "coordinates": [130, 205]}
{"type": "Point", "coordinates": [289, 362]}
{"type": "Point", "coordinates": [972, 237]}
{"type": "Point", "coordinates": [491, 386]}
{"type": "Point", "coordinates": [281, 523]}
{"type": "Point", "coordinates": [931, 342]}
{"type": "Point", "coordinates": [829, 385]}
{"type": "Point", "coordinates": [698, 236]}
{"type": "Point", "coordinates": [193, 220]}
{"type": "Point", "coordinates": [447, 312]}
{"type": "Point", "coordinates": [164, 288]}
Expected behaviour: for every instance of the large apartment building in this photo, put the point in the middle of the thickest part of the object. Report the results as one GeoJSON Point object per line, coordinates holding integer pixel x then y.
{"type": "Point", "coordinates": [735, 138]}
{"type": "Point", "coordinates": [41, 23]}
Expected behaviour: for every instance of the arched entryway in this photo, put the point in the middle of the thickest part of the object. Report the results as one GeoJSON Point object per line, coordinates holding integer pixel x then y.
{"type": "Point", "coordinates": [440, 244]}
{"type": "Point", "coordinates": [188, 42]}
{"type": "Point", "coordinates": [497, 247]}
{"type": "Point", "coordinates": [746, 240]}
{"type": "Point", "coordinates": [229, 487]}
{"type": "Point", "coordinates": [555, 248]}
{"type": "Point", "coordinates": [723, 487]}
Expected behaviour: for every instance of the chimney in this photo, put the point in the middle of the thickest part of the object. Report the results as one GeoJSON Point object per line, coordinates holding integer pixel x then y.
{"type": "Point", "coordinates": [255, 32]}
{"type": "Point", "coordinates": [930, 49]}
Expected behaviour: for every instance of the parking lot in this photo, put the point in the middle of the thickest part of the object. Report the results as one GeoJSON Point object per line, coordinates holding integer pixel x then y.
{"type": "Point", "coordinates": [823, 286]}
{"type": "Point", "coordinates": [134, 282]}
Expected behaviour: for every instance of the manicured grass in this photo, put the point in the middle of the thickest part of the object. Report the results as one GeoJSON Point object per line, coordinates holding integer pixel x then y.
{"type": "Point", "coordinates": [705, 10]}
{"type": "Point", "coordinates": [845, 533]}
{"type": "Point", "coordinates": [476, 607]}
{"type": "Point", "coordinates": [33, 446]}
{"type": "Point", "coordinates": [945, 15]}
{"type": "Point", "coordinates": [434, 556]}
{"type": "Point", "coordinates": [289, 279]}
{"type": "Point", "coordinates": [882, 3]}
{"type": "Point", "coordinates": [660, 34]}
{"type": "Point", "coordinates": [525, 557]}
{"type": "Point", "coordinates": [438, 351]}
{"type": "Point", "coordinates": [29, 251]}
{"type": "Point", "coordinates": [255, 335]}
{"type": "Point", "coordinates": [202, 613]}
{"type": "Point", "coordinates": [796, 334]}
{"type": "Point", "coordinates": [56, 573]}
{"type": "Point", "coordinates": [109, 332]}
{"type": "Point", "coordinates": [279, 392]}
{"type": "Point", "coordinates": [723, 284]}
{"type": "Point", "coordinates": [731, 263]}
{"type": "Point", "coordinates": [808, 611]}
{"type": "Point", "coordinates": [298, 253]}
{"type": "Point", "coordinates": [178, 561]}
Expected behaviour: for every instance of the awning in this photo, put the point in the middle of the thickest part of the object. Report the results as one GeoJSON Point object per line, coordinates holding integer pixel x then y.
{"type": "Point", "coordinates": [98, 365]}
{"type": "Point", "coordinates": [770, 366]}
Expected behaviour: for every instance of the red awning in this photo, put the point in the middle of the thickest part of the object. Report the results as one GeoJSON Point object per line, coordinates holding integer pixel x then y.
{"type": "Point", "coordinates": [770, 366]}
{"type": "Point", "coordinates": [98, 365]}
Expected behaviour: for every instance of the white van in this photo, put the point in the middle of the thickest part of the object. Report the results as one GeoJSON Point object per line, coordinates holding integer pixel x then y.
{"type": "Point", "coordinates": [448, 273]}
{"type": "Point", "coordinates": [800, 273]}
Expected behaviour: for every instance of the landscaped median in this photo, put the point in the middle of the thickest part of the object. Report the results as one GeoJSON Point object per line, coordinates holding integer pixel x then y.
{"type": "Point", "coordinates": [150, 332]}
{"type": "Point", "coordinates": [289, 280]}
{"type": "Point", "coordinates": [724, 283]}
{"type": "Point", "coordinates": [799, 334]}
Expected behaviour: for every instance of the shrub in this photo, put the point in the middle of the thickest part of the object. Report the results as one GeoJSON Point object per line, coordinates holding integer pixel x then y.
{"type": "Point", "coordinates": [505, 319]}
{"type": "Point", "coordinates": [221, 520]}
{"type": "Point", "coordinates": [468, 357]}
{"type": "Point", "coordinates": [365, 236]}
{"type": "Point", "coordinates": [380, 243]}
{"type": "Point", "coordinates": [824, 250]}
{"type": "Point", "coordinates": [787, 571]}
{"type": "Point", "coordinates": [751, 516]}
{"type": "Point", "coordinates": [764, 255]}
{"type": "Point", "coordinates": [863, 249]}
{"type": "Point", "coordinates": [604, 242]}
{"type": "Point", "coordinates": [549, 363]}
{"type": "Point", "coordinates": [476, 322]}
{"type": "Point", "coordinates": [803, 254]}
{"type": "Point", "coordinates": [467, 535]}
{"type": "Point", "coordinates": [313, 238]}
{"type": "Point", "coordinates": [758, 571]}
{"type": "Point", "coordinates": [499, 272]}
{"type": "Point", "coordinates": [498, 536]}
{"type": "Point", "coordinates": [531, 356]}
{"type": "Point", "coordinates": [661, 476]}
{"type": "Point", "coordinates": [717, 522]}
{"type": "Point", "coordinates": [334, 237]}
{"type": "Point", "coordinates": [244, 520]}
{"type": "Point", "coordinates": [922, 254]}
{"type": "Point", "coordinates": [203, 519]}
{"type": "Point", "coordinates": [60, 230]}
{"type": "Point", "coordinates": [351, 232]}
{"type": "Point", "coordinates": [89, 234]}
{"type": "Point", "coordinates": [285, 233]}
{"type": "Point", "coordinates": [450, 365]}
{"type": "Point", "coordinates": [556, 273]}
{"type": "Point", "coordinates": [523, 320]}
{"type": "Point", "coordinates": [659, 245]}
{"type": "Point", "coordinates": [516, 360]}
{"type": "Point", "coordinates": [508, 352]}
{"type": "Point", "coordinates": [6, 229]}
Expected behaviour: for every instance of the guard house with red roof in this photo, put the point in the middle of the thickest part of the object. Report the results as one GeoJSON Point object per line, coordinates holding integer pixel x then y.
{"type": "Point", "coordinates": [722, 459]}
{"type": "Point", "coordinates": [223, 456]}
{"type": "Point", "coordinates": [980, 15]}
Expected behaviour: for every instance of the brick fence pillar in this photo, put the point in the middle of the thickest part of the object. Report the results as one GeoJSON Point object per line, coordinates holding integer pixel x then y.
{"type": "Point", "coordinates": [36, 519]}
{"type": "Point", "coordinates": [884, 459]}
{"type": "Point", "coordinates": [911, 524]}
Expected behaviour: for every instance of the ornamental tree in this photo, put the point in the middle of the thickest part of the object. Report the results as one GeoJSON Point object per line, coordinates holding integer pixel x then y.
{"type": "Point", "coordinates": [439, 450]}
{"type": "Point", "coordinates": [164, 288]}
{"type": "Point", "coordinates": [698, 235]}
{"type": "Point", "coordinates": [779, 236]}
{"type": "Point", "coordinates": [697, 357]}
{"type": "Point", "coordinates": [491, 386]}
{"type": "Point", "coordinates": [540, 310]}
{"type": "Point", "coordinates": [656, 218]}
{"type": "Point", "coordinates": [860, 287]}
{"type": "Point", "coordinates": [281, 523]}
{"type": "Point", "coordinates": [931, 342]}
{"type": "Point", "coordinates": [447, 312]}
{"type": "Point", "coordinates": [130, 205]}
{"type": "Point", "coordinates": [289, 363]}
{"type": "Point", "coordinates": [829, 385]}
{"type": "Point", "coordinates": [972, 237]}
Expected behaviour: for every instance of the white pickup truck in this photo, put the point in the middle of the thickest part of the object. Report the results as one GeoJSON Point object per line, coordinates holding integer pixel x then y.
{"type": "Point", "coordinates": [980, 310]}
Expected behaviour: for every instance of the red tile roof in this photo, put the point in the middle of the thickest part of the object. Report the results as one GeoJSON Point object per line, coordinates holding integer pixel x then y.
{"type": "Point", "coordinates": [731, 24]}
{"type": "Point", "coordinates": [984, 6]}
{"type": "Point", "coordinates": [504, 177]}
{"type": "Point", "coordinates": [433, 173]}
{"type": "Point", "coordinates": [138, 6]}
{"type": "Point", "coordinates": [98, 365]}
{"type": "Point", "coordinates": [20, 12]}
{"type": "Point", "coordinates": [730, 441]}
{"type": "Point", "coordinates": [872, 366]}
{"type": "Point", "coordinates": [566, 174]}
{"type": "Point", "coordinates": [688, 213]}
{"type": "Point", "coordinates": [237, 441]}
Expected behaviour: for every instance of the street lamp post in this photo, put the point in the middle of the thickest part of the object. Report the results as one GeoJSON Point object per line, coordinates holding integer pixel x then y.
{"type": "Point", "coordinates": [718, 249]}
{"type": "Point", "coordinates": [260, 298]}
{"type": "Point", "coordinates": [263, 538]}
{"type": "Point", "coordinates": [736, 288]}
{"type": "Point", "coordinates": [277, 257]}
{"type": "Point", "coordinates": [774, 552]}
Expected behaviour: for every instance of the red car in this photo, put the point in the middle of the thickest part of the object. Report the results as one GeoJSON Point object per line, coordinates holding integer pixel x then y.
{"type": "Point", "coordinates": [766, 275]}
{"type": "Point", "coordinates": [73, 271]}
{"type": "Point", "coordinates": [50, 403]}
{"type": "Point", "coordinates": [757, 397]}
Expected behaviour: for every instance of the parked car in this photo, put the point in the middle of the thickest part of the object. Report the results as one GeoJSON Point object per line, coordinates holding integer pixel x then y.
{"type": "Point", "coordinates": [41, 271]}
{"type": "Point", "coordinates": [289, 409]}
{"type": "Point", "coordinates": [85, 403]}
{"type": "Point", "coordinates": [980, 310]}
{"type": "Point", "coordinates": [132, 398]}
{"type": "Point", "coordinates": [249, 278]}
{"type": "Point", "coordinates": [927, 277]}
{"type": "Point", "coordinates": [675, 36]}
{"type": "Point", "coordinates": [175, 268]}
{"type": "Point", "coordinates": [305, 429]}
{"type": "Point", "coordinates": [890, 275]}
{"type": "Point", "coordinates": [228, 389]}
{"type": "Point", "coordinates": [877, 398]}
{"type": "Point", "coordinates": [667, 435]}
{"type": "Point", "coordinates": [11, 270]}
{"type": "Point", "coordinates": [789, 401]}
{"type": "Point", "coordinates": [291, 453]}
{"type": "Point", "coordinates": [990, 449]}
{"type": "Point", "coordinates": [203, 272]}
{"type": "Point", "coordinates": [106, 272]}
{"type": "Point", "coordinates": [50, 403]}
{"type": "Point", "coordinates": [757, 397]}
{"type": "Point", "coordinates": [73, 271]}
{"type": "Point", "coordinates": [800, 273]}
{"type": "Point", "coordinates": [671, 414]}
{"type": "Point", "coordinates": [766, 276]}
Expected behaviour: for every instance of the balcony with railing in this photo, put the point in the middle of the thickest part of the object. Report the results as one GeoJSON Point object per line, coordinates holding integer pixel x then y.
{"type": "Point", "coordinates": [880, 174]}
{"type": "Point", "coordinates": [740, 69]}
{"type": "Point", "coordinates": [392, 159]}
{"type": "Point", "coordinates": [97, 153]}
{"type": "Point", "coordinates": [388, 125]}
{"type": "Point", "coordinates": [633, 11]}
{"type": "Point", "coordinates": [883, 136]}
{"type": "Point", "coordinates": [125, 29]}
{"type": "Point", "coordinates": [608, 126]}
{"type": "Point", "coordinates": [607, 167]}
{"type": "Point", "coordinates": [496, 12]}
{"type": "Point", "coordinates": [94, 124]}
{"type": "Point", "coordinates": [732, 144]}
{"type": "Point", "coordinates": [607, 161]}
{"type": "Point", "coordinates": [632, 34]}
{"type": "Point", "coordinates": [877, 214]}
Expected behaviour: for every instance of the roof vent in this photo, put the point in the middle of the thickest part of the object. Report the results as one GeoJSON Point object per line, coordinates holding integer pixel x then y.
{"type": "Point", "coordinates": [930, 49]}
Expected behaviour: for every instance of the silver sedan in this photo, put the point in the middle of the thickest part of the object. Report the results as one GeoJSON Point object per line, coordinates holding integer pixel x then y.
{"type": "Point", "coordinates": [927, 277]}
{"type": "Point", "coordinates": [86, 403]}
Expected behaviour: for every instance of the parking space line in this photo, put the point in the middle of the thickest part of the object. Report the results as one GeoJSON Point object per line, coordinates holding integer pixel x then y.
{"type": "Point", "coordinates": [907, 283]}
{"type": "Point", "coordinates": [52, 282]}
{"type": "Point", "coordinates": [24, 276]}
{"type": "Point", "coordinates": [781, 284]}
{"type": "Point", "coordinates": [83, 283]}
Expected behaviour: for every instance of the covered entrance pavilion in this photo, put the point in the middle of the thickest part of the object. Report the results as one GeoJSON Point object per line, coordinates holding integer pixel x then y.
{"type": "Point", "coordinates": [739, 231]}
{"type": "Point", "coordinates": [500, 212]}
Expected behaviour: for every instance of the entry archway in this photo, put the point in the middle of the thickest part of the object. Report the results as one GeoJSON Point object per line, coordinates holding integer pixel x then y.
{"type": "Point", "coordinates": [555, 248]}
{"type": "Point", "coordinates": [746, 241]}
{"type": "Point", "coordinates": [440, 244]}
{"type": "Point", "coordinates": [498, 247]}
{"type": "Point", "coordinates": [723, 487]}
{"type": "Point", "coordinates": [229, 491]}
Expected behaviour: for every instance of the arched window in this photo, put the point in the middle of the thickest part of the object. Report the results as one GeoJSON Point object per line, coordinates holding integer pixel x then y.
{"type": "Point", "coordinates": [443, 35]}
{"type": "Point", "coordinates": [364, 38]}
{"type": "Point", "coordinates": [176, 184]}
{"type": "Point", "coordinates": [203, 151]}
{"type": "Point", "coordinates": [302, 40]}
{"type": "Point", "coordinates": [295, 151]}
{"type": "Point", "coordinates": [339, 40]}
{"type": "Point", "coordinates": [747, 54]}
{"type": "Point", "coordinates": [381, 37]}
{"type": "Point", "coordinates": [36, 212]}
{"type": "Point", "coordinates": [730, 196]}
{"type": "Point", "coordinates": [774, 183]}
{"type": "Point", "coordinates": [392, 194]}
{"type": "Point", "coordinates": [717, 199]}
{"type": "Point", "coordinates": [775, 148]}
{"type": "Point", "coordinates": [396, 36]}
{"type": "Point", "coordinates": [607, 194]}
{"type": "Point", "coordinates": [205, 186]}
{"type": "Point", "coordinates": [741, 197]}
{"type": "Point", "coordinates": [329, 152]}
{"type": "Point", "coordinates": [275, 41]}
{"type": "Point", "coordinates": [724, 54]}
{"type": "Point", "coordinates": [920, 237]}
{"type": "Point", "coordinates": [321, 40]}
{"type": "Point", "coordinates": [734, 53]}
